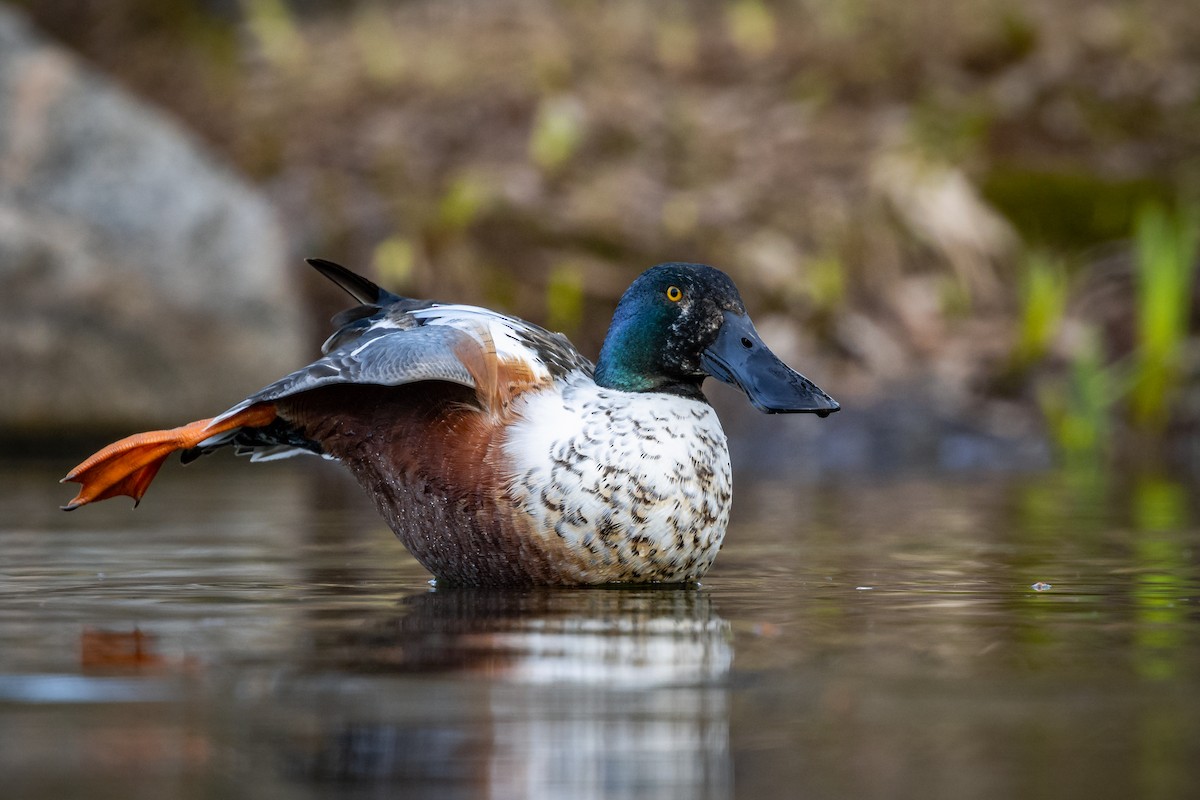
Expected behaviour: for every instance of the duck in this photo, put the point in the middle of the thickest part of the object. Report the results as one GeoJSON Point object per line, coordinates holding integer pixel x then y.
{"type": "Point", "coordinates": [496, 452]}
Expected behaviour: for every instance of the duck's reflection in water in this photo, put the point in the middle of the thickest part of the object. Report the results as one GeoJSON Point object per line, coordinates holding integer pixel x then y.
{"type": "Point", "coordinates": [547, 693]}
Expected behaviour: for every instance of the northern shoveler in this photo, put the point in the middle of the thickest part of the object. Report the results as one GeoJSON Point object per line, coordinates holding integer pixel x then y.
{"type": "Point", "coordinates": [495, 451]}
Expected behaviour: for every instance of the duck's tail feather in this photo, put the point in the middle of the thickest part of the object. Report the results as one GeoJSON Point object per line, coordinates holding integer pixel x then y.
{"type": "Point", "coordinates": [128, 466]}
{"type": "Point", "coordinates": [361, 289]}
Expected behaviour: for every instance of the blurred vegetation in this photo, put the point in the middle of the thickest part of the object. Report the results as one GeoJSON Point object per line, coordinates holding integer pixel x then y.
{"type": "Point", "coordinates": [1079, 405]}
{"type": "Point", "coordinates": [1150, 379]}
{"type": "Point", "coordinates": [1165, 249]}
{"type": "Point", "coordinates": [996, 190]}
{"type": "Point", "coordinates": [1043, 302]}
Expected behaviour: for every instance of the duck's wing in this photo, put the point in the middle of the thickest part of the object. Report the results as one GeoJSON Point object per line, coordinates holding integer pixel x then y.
{"type": "Point", "coordinates": [393, 341]}
{"type": "Point", "coordinates": [378, 308]}
{"type": "Point", "coordinates": [380, 357]}
{"type": "Point", "coordinates": [381, 311]}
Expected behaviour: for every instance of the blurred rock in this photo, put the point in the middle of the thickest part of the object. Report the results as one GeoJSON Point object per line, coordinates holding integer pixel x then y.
{"type": "Point", "coordinates": [141, 282]}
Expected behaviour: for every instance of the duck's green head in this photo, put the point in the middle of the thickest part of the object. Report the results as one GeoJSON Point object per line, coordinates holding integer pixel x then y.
{"type": "Point", "coordinates": [680, 323]}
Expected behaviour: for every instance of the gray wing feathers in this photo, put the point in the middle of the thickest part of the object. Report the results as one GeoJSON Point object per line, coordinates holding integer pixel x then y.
{"type": "Point", "coordinates": [390, 357]}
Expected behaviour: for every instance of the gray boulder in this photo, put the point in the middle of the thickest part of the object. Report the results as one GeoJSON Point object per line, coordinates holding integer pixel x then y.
{"type": "Point", "coordinates": [141, 282]}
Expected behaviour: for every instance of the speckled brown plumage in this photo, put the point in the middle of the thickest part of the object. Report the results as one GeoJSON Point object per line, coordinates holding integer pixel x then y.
{"type": "Point", "coordinates": [429, 459]}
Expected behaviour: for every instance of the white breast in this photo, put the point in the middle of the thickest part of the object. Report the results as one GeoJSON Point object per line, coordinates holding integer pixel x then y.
{"type": "Point", "coordinates": [634, 485]}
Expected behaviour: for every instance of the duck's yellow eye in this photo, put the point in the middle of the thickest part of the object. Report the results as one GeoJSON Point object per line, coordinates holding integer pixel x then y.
{"type": "Point", "coordinates": [674, 294]}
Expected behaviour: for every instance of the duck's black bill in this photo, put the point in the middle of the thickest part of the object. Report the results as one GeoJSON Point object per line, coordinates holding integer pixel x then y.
{"type": "Point", "coordinates": [739, 357]}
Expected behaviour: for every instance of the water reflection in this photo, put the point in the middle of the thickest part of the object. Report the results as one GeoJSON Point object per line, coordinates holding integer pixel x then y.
{"type": "Point", "coordinates": [628, 637]}
{"type": "Point", "coordinates": [1161, 549]}
{"type": "Point", "coordinates": [251, 633]}
{"type": "Point", "coordinates": [614, 693]}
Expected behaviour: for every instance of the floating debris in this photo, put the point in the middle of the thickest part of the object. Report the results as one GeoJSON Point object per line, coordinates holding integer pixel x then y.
{"type": "Point", "coordinates": [1041, 586]}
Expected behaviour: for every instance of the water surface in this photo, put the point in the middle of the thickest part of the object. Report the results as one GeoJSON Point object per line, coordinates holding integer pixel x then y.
{"type": "Point", "coordinates": [256, 631]}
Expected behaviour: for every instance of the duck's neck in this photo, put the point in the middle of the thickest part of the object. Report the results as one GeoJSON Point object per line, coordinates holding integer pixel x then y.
{"type": "Point", "coordinates": [632, 360]}
{"type": "Point", "coordinates": [622, 372]}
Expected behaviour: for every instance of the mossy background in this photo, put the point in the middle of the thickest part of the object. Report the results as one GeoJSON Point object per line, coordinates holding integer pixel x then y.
{"type": "Point", "coordinates": [940, 190]}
